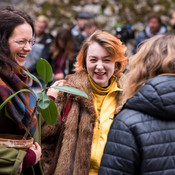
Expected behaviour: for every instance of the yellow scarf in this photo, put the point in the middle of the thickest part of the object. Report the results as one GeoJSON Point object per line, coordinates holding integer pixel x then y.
{"type": "Point", "coordinates": [105, 104]}
{"type": "Point", "coordinates": [99, 93]}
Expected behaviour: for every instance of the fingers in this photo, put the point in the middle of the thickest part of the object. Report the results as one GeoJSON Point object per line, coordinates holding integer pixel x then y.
{"type": "Point", "coordinates": [58, 83]}
{"type": "Point", "coordinates": [37, 150]}
{"type": "Point", "coordinates": [55, 84]}
{"type": "Point", "coordinates": [37, 145]}
{"type": "Point", "coordinates": [59, 76]}
{"type": "Point", "coordinates": [53, 92]}
{"type": "Point", "coordinates": [32, 147]}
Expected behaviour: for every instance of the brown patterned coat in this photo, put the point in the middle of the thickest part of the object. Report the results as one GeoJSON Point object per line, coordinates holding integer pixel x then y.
{"type": "Point", "coordinates": [66, 148]}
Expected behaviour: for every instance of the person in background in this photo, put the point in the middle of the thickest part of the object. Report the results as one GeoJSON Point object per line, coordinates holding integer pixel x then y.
{"type": "Point", "coordinates": [141, 139]}
{"type": "Point", "coordinates": [154, 27]}
{"type": "Point", "coordinates": [81, 131]}
{"type": "Point", "coordinates": [41, 47]}
{"type": "Point", "coordinates": [85, 27]}
{"type": "Point", "coordinates": [63, 53]}
{"type": "Point", "coordinates": [172, 21]}
{"type": "Point", "coordinates": [81, 19]}
{"type": "Point", "coordinates": [90, 27]}
{"type": "Point", "coordinates": [16, 41]}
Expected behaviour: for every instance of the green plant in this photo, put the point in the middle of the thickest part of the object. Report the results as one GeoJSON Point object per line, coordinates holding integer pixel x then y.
{"type": "Point", "coordinates": [47, 106]}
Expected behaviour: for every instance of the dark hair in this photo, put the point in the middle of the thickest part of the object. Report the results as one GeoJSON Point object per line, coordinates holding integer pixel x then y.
{"type": "Point", "coordinates": [9, 19]}
{"type": "Point", "coordinates": [69, 42]}
{"type": "Point", "coordinates": [155, 15]}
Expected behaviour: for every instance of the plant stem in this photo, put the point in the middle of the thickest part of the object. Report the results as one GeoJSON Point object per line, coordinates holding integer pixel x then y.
{"type": "Point", "coordinates": [30, 122]}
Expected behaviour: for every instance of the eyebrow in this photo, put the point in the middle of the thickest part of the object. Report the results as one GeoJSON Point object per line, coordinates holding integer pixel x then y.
{"type": "Point", "coordinates": [25, 39]}
{"type": "Point", "coordinates": [107, 56]}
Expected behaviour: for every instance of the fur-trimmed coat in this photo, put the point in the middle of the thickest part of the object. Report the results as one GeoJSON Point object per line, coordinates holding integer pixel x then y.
{"type": "Point", "coordinates": [66, 148]}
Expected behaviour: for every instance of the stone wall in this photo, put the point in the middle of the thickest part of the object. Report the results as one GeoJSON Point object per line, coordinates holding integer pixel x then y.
{"type": "Point", "coordinates": [107, 13]}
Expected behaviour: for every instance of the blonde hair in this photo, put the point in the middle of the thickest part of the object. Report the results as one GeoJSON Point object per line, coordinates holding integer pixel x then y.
{"type": "Point", "coordinates": [114, 47]}
{"type": "Point", "coordinates": [43, 19]}
{"type": "Point", "coordinates": [155, 56]}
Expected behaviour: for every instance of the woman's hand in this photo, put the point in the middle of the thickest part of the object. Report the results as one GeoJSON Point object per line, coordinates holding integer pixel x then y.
{"type": "Point", "coordinates": [37, 150]}
{"type": "Point", "coordinates": [52, 91]}
{"type": "Point", "coordinates": [59, 76]}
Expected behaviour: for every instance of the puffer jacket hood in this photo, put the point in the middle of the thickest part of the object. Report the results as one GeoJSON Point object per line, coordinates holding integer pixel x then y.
{"type": "Point", "coordinates": [141, 139]}
{"type": "Point", "coordinates": [156, 98]}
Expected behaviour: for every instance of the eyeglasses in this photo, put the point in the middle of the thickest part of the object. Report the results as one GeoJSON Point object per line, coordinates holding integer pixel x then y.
{"type": "Point", "coordinates": [22, 43]}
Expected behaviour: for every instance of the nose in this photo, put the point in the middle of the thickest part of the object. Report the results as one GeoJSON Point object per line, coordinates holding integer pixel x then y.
{"type": "Point", "coordinates": [99, 65]}
{"type": "Point", "coordinates": [27, 47]}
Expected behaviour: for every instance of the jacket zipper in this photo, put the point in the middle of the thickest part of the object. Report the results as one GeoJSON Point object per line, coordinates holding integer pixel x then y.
{"type": "Point", "coordinates": [98, 137]}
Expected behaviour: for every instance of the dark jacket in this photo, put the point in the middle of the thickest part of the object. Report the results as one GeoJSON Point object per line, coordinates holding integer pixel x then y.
{"type": "Point", "coordinates": [141, 140]}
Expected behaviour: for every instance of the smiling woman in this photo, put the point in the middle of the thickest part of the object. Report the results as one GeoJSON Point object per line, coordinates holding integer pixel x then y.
{"type": "Point", "coordinates": [19, 48]}
{"type": "Point", "coordinates": [81, 137]}
{"type": "Point", "coordinates": [16, 40]}
{"type": "Point", "coordinates": [99, 64]}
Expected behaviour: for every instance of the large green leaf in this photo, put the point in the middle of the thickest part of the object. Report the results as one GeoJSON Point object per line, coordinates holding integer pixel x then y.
{"type": "Point", "coordinates": [9, 98]}
{"type": "Point", "coordinates": [34, 78]}
{"type": "Point", "coordinates": [44, 70]}
{"type": "Point", "coordinates": [50, 114]}
{"type": "Point", "coordinates": [71, 90]}
{"type": "Point", "coordinates": [44, 100]}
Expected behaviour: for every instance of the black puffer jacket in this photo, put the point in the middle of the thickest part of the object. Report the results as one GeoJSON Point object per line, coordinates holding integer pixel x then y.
{"type": "Point", "coordinates": [141, 140]}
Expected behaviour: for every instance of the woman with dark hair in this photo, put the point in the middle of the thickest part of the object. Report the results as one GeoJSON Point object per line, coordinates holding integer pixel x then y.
{"type": "Point", "coordinates": [16, 41]}
{"type": "Point", "coordinates": [141, 139]}
{"type": "Point", "coordinates": [63, 53]}
{"type": "Point", "coordinates": [81, 137]}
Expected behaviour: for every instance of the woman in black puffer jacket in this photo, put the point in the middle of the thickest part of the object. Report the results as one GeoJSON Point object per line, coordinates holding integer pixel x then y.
{"type": "Point", "coordinates": [141, 140]}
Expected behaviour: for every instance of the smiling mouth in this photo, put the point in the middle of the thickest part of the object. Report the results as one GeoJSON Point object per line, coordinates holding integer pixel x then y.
{"type": "Point", "coordinates": [99, 73]}
{"type": "Point", "coordinates": [21, 55]}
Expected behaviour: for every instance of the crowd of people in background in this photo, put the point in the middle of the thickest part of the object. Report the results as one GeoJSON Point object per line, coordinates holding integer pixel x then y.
{"type": "Point", "coordinates": [61, 50]}
{"type": "Point", "coordinates": [127, 124]}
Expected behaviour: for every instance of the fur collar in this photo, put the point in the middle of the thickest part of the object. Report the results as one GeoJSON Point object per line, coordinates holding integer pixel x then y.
{"type": "Point", "coordinates": [75, 152]}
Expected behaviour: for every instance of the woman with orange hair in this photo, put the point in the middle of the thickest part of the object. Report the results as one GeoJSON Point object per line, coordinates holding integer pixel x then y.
{"type": "Point", "coordinates": [141, 139]}
{"type": "Point", "coordinates": [81, 137]}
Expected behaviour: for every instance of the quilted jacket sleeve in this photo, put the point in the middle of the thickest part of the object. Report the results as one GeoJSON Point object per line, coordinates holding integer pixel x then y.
{"type": "Point", "coordinates": [121, 155]}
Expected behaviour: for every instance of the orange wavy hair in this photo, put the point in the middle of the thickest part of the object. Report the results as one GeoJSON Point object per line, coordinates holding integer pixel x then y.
{"type": "Point", "coordinates": [114, 47]}
{"type": "Point", "coordinates": [155, 56]}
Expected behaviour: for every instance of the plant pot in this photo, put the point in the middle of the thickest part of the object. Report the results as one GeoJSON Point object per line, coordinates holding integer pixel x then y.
{"type": "Point", "coordinates": [15, 141]}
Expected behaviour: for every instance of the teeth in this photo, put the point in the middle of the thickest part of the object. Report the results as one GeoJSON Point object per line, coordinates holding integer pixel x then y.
{"type": "Point", "coordinates": [100, 73]}
{"type": "Point", "coordinates": [22, 55]}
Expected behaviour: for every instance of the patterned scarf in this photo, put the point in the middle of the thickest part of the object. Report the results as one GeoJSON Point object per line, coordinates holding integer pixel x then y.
{"type": "Point", "coordinates": [21, 106]}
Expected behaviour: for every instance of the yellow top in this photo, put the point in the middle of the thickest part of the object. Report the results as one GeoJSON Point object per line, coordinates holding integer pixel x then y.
{"type": "Point", "coordinates": [105, 104]}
